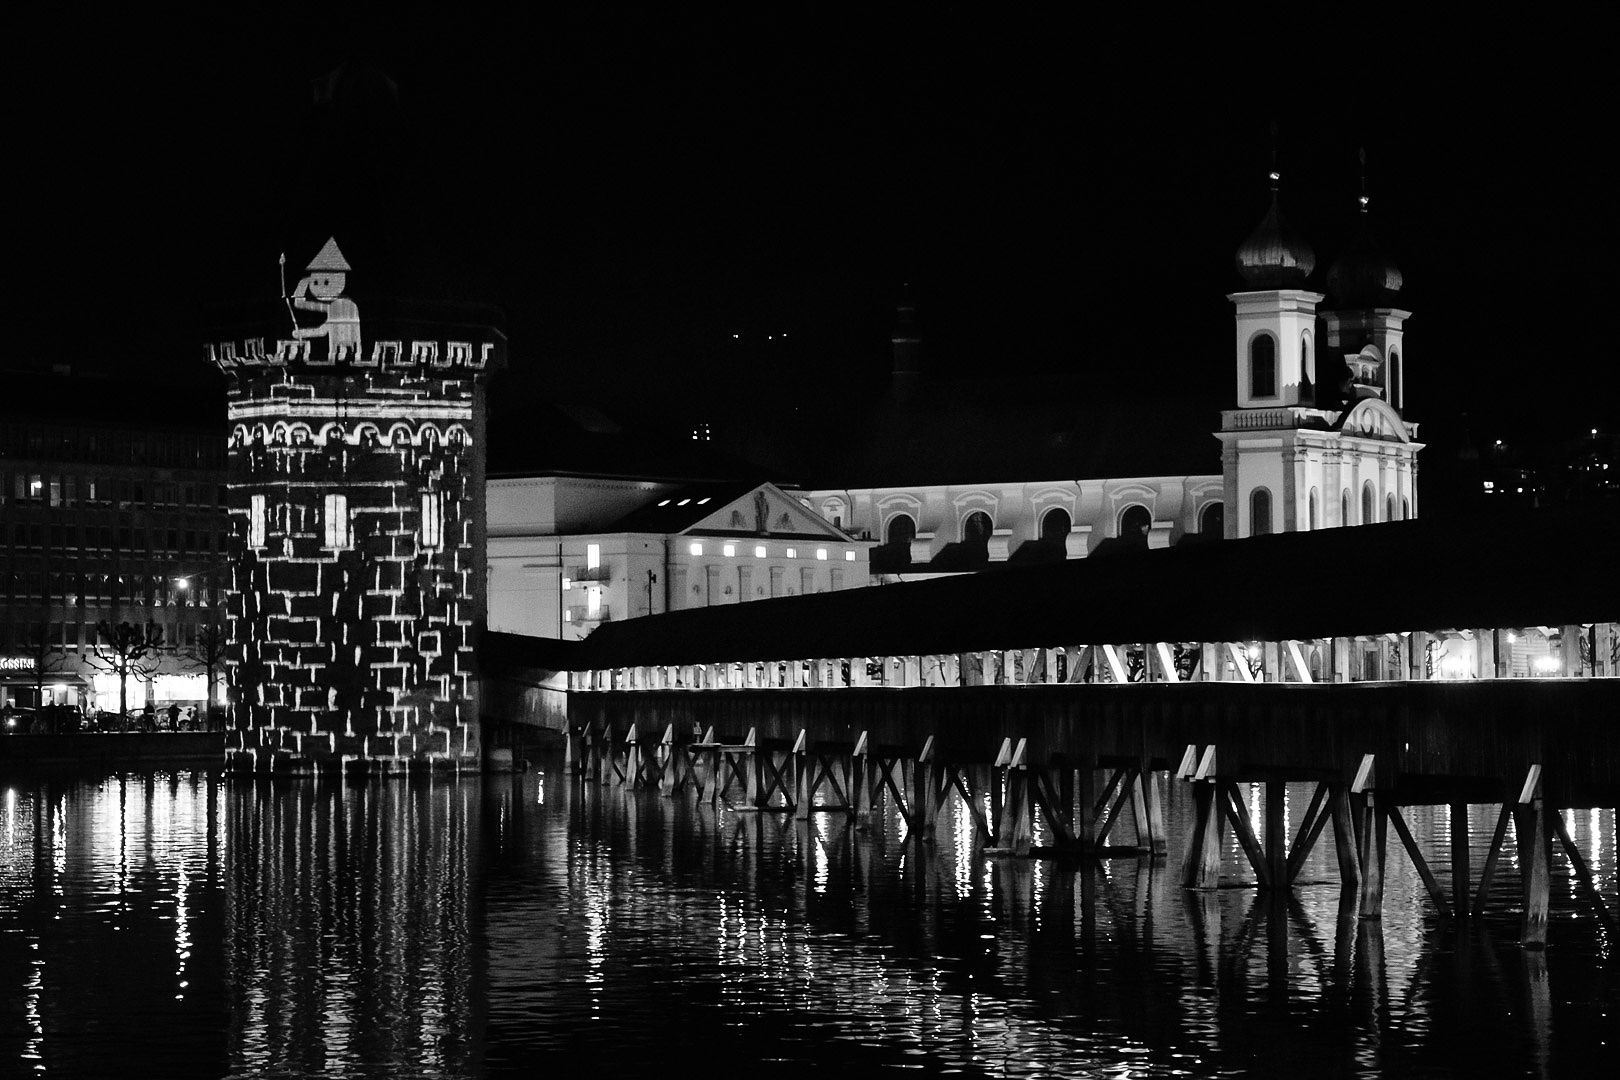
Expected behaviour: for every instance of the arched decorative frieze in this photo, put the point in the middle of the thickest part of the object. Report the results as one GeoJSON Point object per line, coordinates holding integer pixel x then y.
{"type": "Point", "coordinates": [331, 433]}
{"type": "Point", "coordinates": [458, 436]}
{"type": "Point", "coordinates": [399, 435]}
{"type": "Point", "coordinates": [278, 434]}
{"type": "Point", "coordinates": [261, 434]}
{"type": "Point", "coordinates": [240, 436]}
{"type": "Point", "coordinates": [299, 434]}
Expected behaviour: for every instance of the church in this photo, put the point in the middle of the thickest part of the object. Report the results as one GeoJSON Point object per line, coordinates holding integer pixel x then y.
{"type": "Point", "coordinates": [947, 477]}
{"type": "Point", "coordinates": [1316, 438]}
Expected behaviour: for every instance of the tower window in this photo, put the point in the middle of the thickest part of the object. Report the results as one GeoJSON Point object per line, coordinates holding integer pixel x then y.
{"type": "Point", "coordinates": [1369, 512]}
{"type": "Point", "coordinates": [1260, 512]}
{"type": "Point", "coordinates": [337, 521]}
{"type": "Point", "coordinates": [258, 520]}
{"type": "Point", "coordinates": [1312, 522]}
{"type": "Point", "coordinates": [1263, 366]}
{"type": "Point", "coordinates": [432, 520]}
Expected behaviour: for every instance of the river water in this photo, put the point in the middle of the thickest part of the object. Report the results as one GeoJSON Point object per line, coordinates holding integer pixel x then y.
{"type": "Point", "coordinates": [172, 923]}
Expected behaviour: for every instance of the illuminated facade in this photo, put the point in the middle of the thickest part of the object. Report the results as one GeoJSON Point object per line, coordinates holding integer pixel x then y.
{"type": "Point", "coordinates": [111, 510]}
{"type": "Point", "coordinates": [356, 503]}
{"type": "Point", "coordinates": [567, 554]}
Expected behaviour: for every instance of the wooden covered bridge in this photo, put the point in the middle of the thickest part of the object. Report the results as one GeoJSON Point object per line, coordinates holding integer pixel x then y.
{"type": "Point", "coordinates": [1389, 665]}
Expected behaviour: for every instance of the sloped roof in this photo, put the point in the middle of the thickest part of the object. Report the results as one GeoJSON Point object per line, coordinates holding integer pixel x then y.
{"type": "Point", "coordinates": [1541, 569]}
{"type": "Point", "coordinates": [727, 509]}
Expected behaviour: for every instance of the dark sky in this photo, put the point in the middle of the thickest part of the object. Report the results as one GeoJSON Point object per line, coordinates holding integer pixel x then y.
{"type": "Point", "coordinates": [634, 190]}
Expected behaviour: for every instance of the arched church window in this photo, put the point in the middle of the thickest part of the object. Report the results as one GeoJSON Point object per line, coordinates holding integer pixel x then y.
{"type": "Point", "coordinates": [976, 528]}
{"type": "Point", "coordinates": [1263, 366]}
{"type": "Point", "coordinates": [1055, 528]}
{"type": "Point", "coordinates": [1393, 391]}
{"type": "Point", "coordinates": [1212, 522]}
{"type": "Point", "coordinates": [1305, 355]}
{"type": "Point", "coordinates": [1369, 513]}
{"type": "Point", "coordinates": [902, 530]}
{"type": "Point", "coordinates": [1313, 522]}
{"type": "Point", "coordinates": [1344, 507]}
{"type": "Point", "coordinates": [1260, 512]}
{"type": "Point", "coordinates": [1134, 524]}
{"type": "Point", "coordinates": [1389, 508]}
{"type": "Point", "coordinates": [1406, 509]}
{"type": "Point", "coordinates": [833, 511]}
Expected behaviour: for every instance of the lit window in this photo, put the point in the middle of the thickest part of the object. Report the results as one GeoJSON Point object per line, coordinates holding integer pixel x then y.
{"type": "Point", "coordinates": [793, 553]}
{"type": "Point", "coordinates": [593, 556]}
{"type": "Point", "coordinates": [730, 550]}
{"type": "Point", "coordinates": [849, 556]}
{"type": "Point", "coordinates": [683, 502]}
{"type": "Point", "coordinates": [703, 500]}
{"type": "Point", "coordinates": [696, 549]}
{"type": "Point", "coordinates": [568, 616]}
{"type": "Point", "coordinates": [664, 503]}
{"type": "Point", "coordinates": [432, 520]}
{"type": "Point", "coordinates": [257, 520]}
{"type": "Point", "coordinates": [1489, 486]}
{"type": "Point", "coordinates": [759, 552]}
{"type": "Point", "coordinates": [337, 522]}
{"type": "Point", "coordinates": [821, 553]}
{"type": "Point", "coordinates": [593, 602]}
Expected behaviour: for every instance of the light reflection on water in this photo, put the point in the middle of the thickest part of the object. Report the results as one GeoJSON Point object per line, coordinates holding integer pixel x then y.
{"type": "Point", "coordinates": [469, 928]}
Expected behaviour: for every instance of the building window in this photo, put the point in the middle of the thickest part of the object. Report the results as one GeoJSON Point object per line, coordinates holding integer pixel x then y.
{"type": "Point", "coordinates": [1406, 509]}
{"type": "Point", "coordinates": [1055, 525]}
{"type": "Point", "coordinates": [433, 520]}
{"type": "Point", "coordinates": [1134, 524]}
{"type": "Point", "coordinates": [1312, 521]}
{"type": "Point", "coordinates": [593, 601]}
{"type": "Point", "coordinates": [593, 556]}
{"type": "Point", "coordinates": [1393, 391]}
{"type": "Point", "coordinates": [1263, 366]}
{"type": "Point", "coordinates": [1212, 522]}
{"type": "Point", "coordinates": [337, 522]}
{"type": "Point", "coordinates": [833, 511]}
{"type": "Point", "coordinates": [1368, 513]}
{"type": "Point", "coordinates": [1389, 507]}
{"type": "Point", "coordinates": [1260, 512]}
{"type": "Point", "coordinates": [695, 549]}
{"type": "Point", "coordinates": [258, 521]}
{"type": "Point", "coordinates": [1307, 372]}
{"type": "Point", "coordinates": [1344, 507]}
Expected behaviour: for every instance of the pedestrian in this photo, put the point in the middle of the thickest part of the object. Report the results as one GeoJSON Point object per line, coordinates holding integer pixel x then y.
{"type": "Point", "coordinates": [174, 716]}
{"type": "Point", "coordinates": [148, 718]}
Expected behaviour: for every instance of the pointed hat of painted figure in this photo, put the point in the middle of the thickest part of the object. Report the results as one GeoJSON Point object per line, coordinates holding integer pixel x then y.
{"type": "Point", "coordinates": [329, 258]}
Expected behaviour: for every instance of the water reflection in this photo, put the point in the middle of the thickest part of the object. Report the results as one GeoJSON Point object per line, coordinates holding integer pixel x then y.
{"type": "Point", "coordinates": [348, 936]}
{"type": "Point", "coordinates": [496, 926]}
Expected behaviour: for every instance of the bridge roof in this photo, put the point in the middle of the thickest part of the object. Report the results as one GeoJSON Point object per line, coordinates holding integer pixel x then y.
{"type": "Point", "coordinates": [1542, 569]}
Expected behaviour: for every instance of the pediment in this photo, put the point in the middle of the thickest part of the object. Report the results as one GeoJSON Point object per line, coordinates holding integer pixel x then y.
{"type": "Point", "coordinates": [1373, 418]}
{"type": "Point", "coordinates": [765, 511]}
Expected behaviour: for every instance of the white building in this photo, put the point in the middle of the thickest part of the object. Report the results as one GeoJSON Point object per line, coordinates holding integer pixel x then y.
{"type": "Point", "coordinates": [568, 553]}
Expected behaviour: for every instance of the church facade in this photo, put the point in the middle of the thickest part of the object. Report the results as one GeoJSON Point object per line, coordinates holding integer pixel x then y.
{"type": "Point", "coordinates": [1295, 454]}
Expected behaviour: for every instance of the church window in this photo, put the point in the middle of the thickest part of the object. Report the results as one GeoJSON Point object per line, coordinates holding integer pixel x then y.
{"type": "Point", "coordinates": [1212, 522]}
{"type": "Point", "coordinates": [1263, 366]}
{"type": "Point", "coordinates": [1134, 523]}
{"type": "Point", "coordinates": [1369, 513]}
{"type": "Point", "coordinates": [1055, 528]}
{"type": "Point", "coordinates": [336, 521]}
{"type": "Point", "coordinates": [1312, 522]}
{"type": "Point", "coordinates": [1406, 509]}
{"type": "Point", "coordinates": [1260, 512]}
{"type": "Point", "coordinates": [1389, 508]}
{"type": "Point", "coordinates": [902, 530]}
{"type": "Point", "coordinates": [1306, 364]}
{"type": "Point", "coordinates": [1344, 507]}
{"type": "Point", "coordinates": [833, 511]}
{"type": "Point", "coordinates": [1393, 391]}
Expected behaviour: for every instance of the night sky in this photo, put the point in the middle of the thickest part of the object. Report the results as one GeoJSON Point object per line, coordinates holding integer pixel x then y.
{"type": "Point", "coordinates": [633, 191]}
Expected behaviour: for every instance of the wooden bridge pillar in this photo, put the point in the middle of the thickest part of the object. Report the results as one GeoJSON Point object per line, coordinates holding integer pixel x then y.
{"type": "Point", "coordinates": [1370, 838]}
{"type": "Point", "coordinates": [1202, 866]}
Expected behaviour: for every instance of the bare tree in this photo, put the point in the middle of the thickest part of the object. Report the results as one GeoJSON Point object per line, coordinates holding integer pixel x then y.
{"type": "Point", "coordinates": [209, 653]}
{"type": "Point", "coordinates": [127, 651]}
{"type": "Point", "coordinates": [47, 659]}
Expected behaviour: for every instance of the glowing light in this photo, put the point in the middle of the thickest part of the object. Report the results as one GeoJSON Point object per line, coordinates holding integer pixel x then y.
{"type": "Point", "coordinates": [666, 502]}
{"type": "Point", "coordinates": [696, 549]}
{"type": "Point", "coordinates": [703, 500]}
{"type": "Point", "coordinates": [567, 583]}
{"type": "Point", "coordinates": [683, 502]}
{"type": "Point", "coordinates": [1547, 663]}
{"type": "Point", "coordinates": [793, 553]}
{"type": "Point", "coordinates": [759, 551]}
{"type": "Point", "coordinates": [1454, 666]}
{"type": "Point", "coordinates": [821, 553]}
{"type": "Point", "coordinates": [849, 556]}
{"type": "Point", "coordinates": [1253, 652]}
{"type": "Point", "coordinates": [729, 550]}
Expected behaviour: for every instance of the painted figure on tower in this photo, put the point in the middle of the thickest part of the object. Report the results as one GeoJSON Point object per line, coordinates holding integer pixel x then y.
{"type": "Point", "coordinates": [321, 289]}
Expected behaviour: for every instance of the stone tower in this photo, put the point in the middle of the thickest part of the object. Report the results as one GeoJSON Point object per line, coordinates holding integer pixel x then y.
{"type": "Point", "coordinates": [356, 461]}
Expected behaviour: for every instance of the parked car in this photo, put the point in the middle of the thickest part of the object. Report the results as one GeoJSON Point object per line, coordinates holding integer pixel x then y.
{"type": "Point", "coordinates": [18, 722]}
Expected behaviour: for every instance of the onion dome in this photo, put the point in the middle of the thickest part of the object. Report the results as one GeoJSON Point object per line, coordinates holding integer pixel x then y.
{"type": "Point", "coordinates": [1363, 276]}
{"type": "Point", "coordinates": [1274, 256]}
